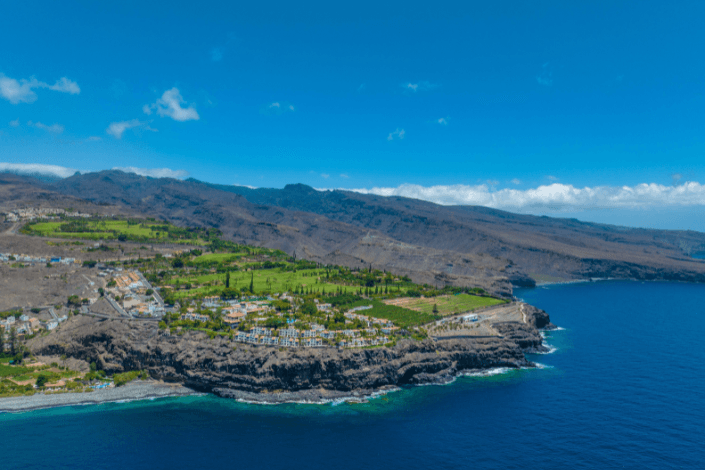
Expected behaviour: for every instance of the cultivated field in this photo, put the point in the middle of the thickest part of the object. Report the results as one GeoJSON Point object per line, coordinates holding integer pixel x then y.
{"type": "Point", "coordinates": [446, 304]}
{"type": "Point", "coordinates": [400, 316]}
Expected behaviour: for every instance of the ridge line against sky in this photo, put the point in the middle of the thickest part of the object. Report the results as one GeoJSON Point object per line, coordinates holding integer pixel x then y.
{"type": "Point", "coordinates": [548, 107]}
{"type": "Point", "coordinates": [554, 198]}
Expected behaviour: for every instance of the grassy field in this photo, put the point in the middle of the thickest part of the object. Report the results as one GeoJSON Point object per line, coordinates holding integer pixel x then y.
{"type": "Point", "coordinates": [103, 229]}
{"type": "Point", "coordinates": [449, 304]}
{"type": "Point", "coordinates": [12, 371]}
{"type": "Point", "coordinates": [273, 280]}
{"type": "Point", "coordinates": [110, 230]}
{"type": "Point", "coordinates": [402, 317]}
{"type": "Point", "coordinates": [218, 258]}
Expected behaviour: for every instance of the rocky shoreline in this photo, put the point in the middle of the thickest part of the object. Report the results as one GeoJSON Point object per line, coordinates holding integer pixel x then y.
{"type": "Point", "coordinates": [138, 390]}
{"type": "Point", "coordinates": [265, 374]}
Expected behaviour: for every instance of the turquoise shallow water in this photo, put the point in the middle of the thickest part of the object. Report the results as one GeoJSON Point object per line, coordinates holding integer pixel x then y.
{"type": "Point", "coordinates": [625, 388]}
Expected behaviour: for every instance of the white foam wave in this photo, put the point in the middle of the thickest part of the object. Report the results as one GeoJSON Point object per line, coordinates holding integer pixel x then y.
{"type": "Point", "coordinates": [487, 373]}
{"type": "Point", "coordinates": [325, 401]}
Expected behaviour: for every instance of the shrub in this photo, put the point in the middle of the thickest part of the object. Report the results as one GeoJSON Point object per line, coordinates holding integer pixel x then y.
{"type": "Point", "coordinates": [122, 379]}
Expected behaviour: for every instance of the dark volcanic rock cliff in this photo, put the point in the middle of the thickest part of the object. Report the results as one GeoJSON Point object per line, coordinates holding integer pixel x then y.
{"type": "Point", "coordinates": [228, 368]}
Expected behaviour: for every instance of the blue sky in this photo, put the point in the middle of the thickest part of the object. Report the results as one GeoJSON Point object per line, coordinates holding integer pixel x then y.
{"type": "Point", "coordinates": [539, 107]}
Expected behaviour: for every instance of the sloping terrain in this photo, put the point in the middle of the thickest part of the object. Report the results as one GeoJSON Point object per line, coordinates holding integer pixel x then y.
{"type": "Point", "coordinates": [435, 244]}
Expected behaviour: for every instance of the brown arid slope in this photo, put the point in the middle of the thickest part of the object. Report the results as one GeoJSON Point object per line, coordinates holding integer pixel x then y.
{"type": "Point", "coordinates": [471, 246]}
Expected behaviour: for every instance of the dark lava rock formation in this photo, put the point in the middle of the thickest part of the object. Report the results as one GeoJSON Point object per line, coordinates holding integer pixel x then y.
{"type": "Point", "coordinates": [265, 373]}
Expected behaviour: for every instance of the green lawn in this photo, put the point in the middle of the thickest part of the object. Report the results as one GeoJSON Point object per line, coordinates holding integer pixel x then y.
{"type": "Point", "coordinates": [218, 258]}
{"type": "Point", "coordinates": [102, 229]}
{"type": "Point", "coordinates": [11, 371]}
{"type": "Point", "coordinates": [453, 303]}
{"type": "Point", "coordinates": [273, 280]}
{"type": "Point", "coordinates": [402, 317]}
{"type": "Point", "coordinates": [110, 229]}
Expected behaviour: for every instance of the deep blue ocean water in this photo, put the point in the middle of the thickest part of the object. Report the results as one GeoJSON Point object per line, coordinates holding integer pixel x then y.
{"type": "Point", "coordinates": [625, 388]}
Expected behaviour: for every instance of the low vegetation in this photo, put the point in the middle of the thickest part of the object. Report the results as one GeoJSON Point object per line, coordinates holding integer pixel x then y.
{"type": "Point", "coordinates": [126, 377]}
{"type": "Point", "coordinates": [402, 317]}
{"type": "Point", "coordinates": [136, 230]}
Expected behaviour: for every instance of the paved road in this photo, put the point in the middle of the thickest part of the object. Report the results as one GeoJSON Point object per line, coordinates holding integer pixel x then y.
{"type": "Point", "coordinates": [110, 317]}
{"type": "Point", "coordinates": [13, 230]}
{"type": "Point", "coordinates": [117, 307]}
{"type": "Point", "coordinates": [147, 284]}
{"type": "Point", "coordinates": [53, 314]}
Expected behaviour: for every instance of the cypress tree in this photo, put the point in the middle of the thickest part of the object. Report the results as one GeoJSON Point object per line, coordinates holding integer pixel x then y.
{"type": "Point", "coordinates": [252, 283]}
{"type": "Point", "coordinates": [227, 279]}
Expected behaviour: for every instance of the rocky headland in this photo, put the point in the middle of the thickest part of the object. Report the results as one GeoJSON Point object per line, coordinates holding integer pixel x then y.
{"type": "Point", "coordinates": [270, 374]}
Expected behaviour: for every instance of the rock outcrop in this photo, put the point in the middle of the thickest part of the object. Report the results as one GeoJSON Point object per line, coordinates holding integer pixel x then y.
{"type": "Point", "coordinates": [266, 373]}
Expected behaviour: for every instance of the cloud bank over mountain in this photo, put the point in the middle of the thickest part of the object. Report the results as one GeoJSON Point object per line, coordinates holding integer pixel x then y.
{"type": "Point", "coordinates": [555, 197]}
{"type": "Point", "coordinates": [56, 171]}
{"type": "Point", "coordinates": [552, 198]}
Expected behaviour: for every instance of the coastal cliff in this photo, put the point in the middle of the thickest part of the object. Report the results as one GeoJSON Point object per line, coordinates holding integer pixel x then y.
{"type": "Point", "coordinates": [270, 374]}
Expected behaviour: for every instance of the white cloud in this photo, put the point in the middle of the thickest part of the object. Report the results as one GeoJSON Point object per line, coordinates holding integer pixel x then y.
{"type": "Point", "coordinates": [64, 85]}
{"type": "Point", "coordinates": [278, 107]}
{"type": "Point", "coordinates": [420, 86]}
{"type": "Point", "coordinates": [37, 169]}
{"type": "Point", "coordinates": [170, 105]}
{"type": "Point", "coordinates": [54, 128]}
{"type": "Point", "coordinates": [22, 91]}
{"type": "Point", "coordinates": [554, 197]}
{"type": "Point", "coordinates": [443, 121]}
{"type": "Point", "coordinates": [343, 175]}
{"type": "Point", "coordinates": [325, 175]}
{"type": "Point", "coordinates": [552, 178]}
{"type": "Point", "coordinates": [64, 172]}
{"type": "Point", "coordinates": [154, 172]}
{"type": "Point", "coordinates": [397, 134]}
{"type": "Point", "coordinates": [15, 123]}
{"type": "Point", "coordinates": [216, 54]}
{"type": "Point", "coordinates": [545, 77]}
{"type": "Point", "coordinates": [515, 181]}
{"type": "Point", "coordinates": [116, 129]}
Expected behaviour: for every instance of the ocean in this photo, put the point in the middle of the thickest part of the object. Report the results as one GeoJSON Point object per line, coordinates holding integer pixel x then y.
{"type": "Point", "coordinates": [624, 388]}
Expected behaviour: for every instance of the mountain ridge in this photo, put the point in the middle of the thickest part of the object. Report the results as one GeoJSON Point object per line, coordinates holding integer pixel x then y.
{"type": "Point", "coordinates": [460, 245]}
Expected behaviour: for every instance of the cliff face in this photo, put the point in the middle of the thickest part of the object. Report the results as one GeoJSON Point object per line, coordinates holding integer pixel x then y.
{"type": "Point", "coordinates": [228, 368]}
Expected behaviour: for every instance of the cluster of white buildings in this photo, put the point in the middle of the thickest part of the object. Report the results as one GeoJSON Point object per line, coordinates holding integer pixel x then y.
{"type": "Point", "coordinates": [32, 213]}
{"type": "Point", "coordinates": [312, 338]}
{"type": "Point", "coordinates": [268, 339]}
{"type": "Point", "coordinates": [234, 312]}
{"type": "Point", "coordinates": [133, 287]}
{"type": "Point", "coordinates": [25, 325]}
{"type": "Point", "coordinates": [22, 258]}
